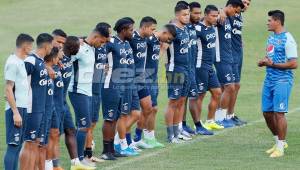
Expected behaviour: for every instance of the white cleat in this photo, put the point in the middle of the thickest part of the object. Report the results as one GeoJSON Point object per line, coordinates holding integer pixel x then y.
{"type": "Point", "coordinates": [134, 147]}
{"type": "Point", "coordinates": [184, 138]}
{"type": "Point", "coordinates": [142, 145]}
{"type": "Point", "coordinates": [176, 141]}
{"type": "Point", "coordinates": [88, 162]}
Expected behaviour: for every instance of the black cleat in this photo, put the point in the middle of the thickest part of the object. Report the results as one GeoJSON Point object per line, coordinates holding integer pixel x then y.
{"type": "Point", "coordinates": [108, 156]}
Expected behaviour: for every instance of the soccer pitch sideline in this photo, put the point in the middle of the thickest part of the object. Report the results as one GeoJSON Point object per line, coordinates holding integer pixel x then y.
{"type": "Point", "coordinates": [236, 148]}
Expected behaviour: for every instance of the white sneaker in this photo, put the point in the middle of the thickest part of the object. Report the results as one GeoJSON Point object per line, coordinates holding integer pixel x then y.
{"type": "Point", "coordinates": [134, 147]}
{"type": "Point", "coordinates": [176, 141]}
{"type": "Point", "coordinates": [88, 162]}
{"type": "Point", "coordinates": [186, 134]}
{"type": "Point", "coordinates": [142, 145]}
{"type": "Point", "coordinates": [184, 138]}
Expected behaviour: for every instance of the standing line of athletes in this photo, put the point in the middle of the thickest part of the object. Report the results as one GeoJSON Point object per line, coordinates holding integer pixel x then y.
{"type": "Point", "coordinates": [121, 73]}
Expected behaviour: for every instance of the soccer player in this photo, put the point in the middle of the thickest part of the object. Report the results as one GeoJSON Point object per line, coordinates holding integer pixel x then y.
{"type": "Point", "coordinates": [16, 91]}
{"type": "Point", "coordinates": [166, 35]}
{"type": "Point", "coordinates": [100, 61]}
{"type": "Point", "coordinates": [80, 87]}
{"type": "Point", "coordinates": [141, 96]}
{"type": "Point", "coordinates": [117, 90]}
{"type": "Point", "coordinates": [205, 74]}
{"type": "Point", "coordinates": [177, 74]}
{"type": "Point", "coordinates": [280, 60]}
{"type": "Point", "coordinates": [237, 53]}
{"type": "Point", "coordinates": [37, 74]}
{"type": "Point", "coordinates": [224, 60]}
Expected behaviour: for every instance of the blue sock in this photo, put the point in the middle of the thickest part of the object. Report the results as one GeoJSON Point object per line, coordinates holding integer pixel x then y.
{"type": "Point", "coordinates": [183, 123]}
{"type": "Point", "coordinates": [55, 162]}
{"type": "Point", "coordinates": [138, 134]}
{"type": "Point", "coordinates": [128, 138]}
{"type": "Point", "coordinates": [81, 136]}
{"type": "Point", "coordinates": [11, 157]}
{"type": "Point", "coordinates": [198, 124]}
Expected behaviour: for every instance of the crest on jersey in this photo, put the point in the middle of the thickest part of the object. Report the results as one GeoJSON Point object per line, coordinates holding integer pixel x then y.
{"type": "Point", "coordinates": [270, 50]}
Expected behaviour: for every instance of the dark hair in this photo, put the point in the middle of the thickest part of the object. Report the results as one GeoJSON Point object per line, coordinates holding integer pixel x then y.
{"type": "Point", "coordinates": [182, 2]}
{"type": "Point", "coordinates": [236, 3]}
{"type": "Point", "coordinates": [71, 46]}
{"type": "Point", "coordinates": [59, 32]}
{"type": "Point", "coordinates": [123, 24]}
{"type": "Point", "coordinates": [193, 5]}
{"type": "Point", "coordinates": [147, 21]}
{"type": "Point", "coordinates": [43, 38]}
{"type": "Point", "coordinates": [181, 7]}
{"type": "Point", "coordinates": [103, 29]}
{"type": "Point", "coordinates": [277, 15]}
{"type": "Point", "coordinates": [171, 28]}
{"type": "Point", "coordinates": [52, 55]}
{"type": "Point", "coordinates": [210, 8]}
{"type": "Point", "coordinates": [23, 38]}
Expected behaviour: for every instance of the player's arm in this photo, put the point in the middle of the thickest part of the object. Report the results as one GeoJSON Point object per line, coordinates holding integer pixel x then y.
{"type": "Point", "coordinates": [10, 76]}
{"type": "Point", "coordinates": [290, 64]}
{"type": "Point", "coordinates": [222, 16]}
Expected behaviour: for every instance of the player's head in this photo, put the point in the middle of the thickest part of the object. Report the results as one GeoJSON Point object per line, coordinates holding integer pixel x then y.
{"type": "Point", "coordinates": [211, 13]}
{"type": "Point", "coordinates": [195, 12]}
{"type": "Point", "coordinates": [168, 33]}
{"type": "Point", "coordinates": [183, 3]}
{"type": "Point", "coordinates": [25, 43]}
{"type": "Point", "coordinates": [276, 20]}
{"type": "Point", "coordinates": [44, 42]}
{"type": "Point", "coordinates": [71, 46]}
{"type": "Point", "coordinates": [124, 27]}
{"type": "Point", "coordinates": [182, 13]}
{"type": "Point", "coordinates": [100, 35]}
{"type": "Point", "coordinates": [234, 7]}
{"type": "Point", "coordinates": [59, 38]}
{"type": "Point", "coordinates": [148, 26]}
{"type": "Point", "coordinates": [53, 57]}
{"type": "Point", "coordinates": [246, 5]}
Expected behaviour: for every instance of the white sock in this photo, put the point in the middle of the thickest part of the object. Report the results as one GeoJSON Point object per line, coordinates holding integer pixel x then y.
{"type": "Point", "coordinates": [117, 139]}
{"type": "Point", "coordinates": [151, 134]}
{"type": "Point", "coordinates": [75, 161]}
{"type": "Point", "coordinates": [218, 115]}
{"type": "Point", "coordinates": [180, 126]}
{"type": "Point", "coordinates": [280, 145]}
{"type": "Point", "coordinates": [146, 134]}
{"type": "Point", "coordinates": [229, 116]}
{"type": "Point", "coordinates": [276, 139]}
{"type": "Point", "coordinates": [123, 144]}
{"type": "Point", "coordinates": [48, 165]}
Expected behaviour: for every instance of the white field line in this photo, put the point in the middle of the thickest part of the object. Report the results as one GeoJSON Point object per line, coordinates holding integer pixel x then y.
{"type": "Point", "coordinates": [197, 139]}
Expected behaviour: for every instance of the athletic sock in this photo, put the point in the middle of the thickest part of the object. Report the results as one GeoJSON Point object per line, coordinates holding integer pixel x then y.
{"type": "Point", "coordinates": [88, 152]}
{"type": "Point", "coordinates": [280, 145]}
{"type": "Point", "coordinates": [138, 134]}
{"type": "Point", "coordinates": [218, 115]}
{"type": "Point", "coordinates": [111, 146]}
{"type": "Point", "coordinates": [151, 134]}
{"type": "Point", "coordinates": [170, 132]}
{"type": "Point", "coordinates": [123, 144]}
{"type": "Point", "coordinates": [229, 116]}
{"type": "Point", "coordinates": [128, 138]}
{"type": "Point", "coordinates": [81, 136]}
{"type": "Point", "coordinates": [75, 161]}
{"type": "Point", "coordinates": [146, 134]}
{"type": "Point", "coordinates": [210, 121]}
{"type": "Point", "coordinates": [276, 139]}
{"type": "Point", "coordinates": [183, 123]}
{"type": "Point", "coordinates": [176, 130]}
{"type": "Point", "coordinates": [198, 124]}
{"type": "Point", "coordinates": [179, 126]}
{"type": "Point", "coordinates": [48, 165]}
{"type": "Point", "coordinates": [55, 162]}
{"type": "Point", "coordinates": [106, 147]}
{"type": "Point", "coordinates": [117, 139]}
{"type": "Point", "coordinates": [11, 157]}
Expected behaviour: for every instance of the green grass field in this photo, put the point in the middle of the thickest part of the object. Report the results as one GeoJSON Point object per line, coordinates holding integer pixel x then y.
{"type": "Point", "coordinates": [237, 148]}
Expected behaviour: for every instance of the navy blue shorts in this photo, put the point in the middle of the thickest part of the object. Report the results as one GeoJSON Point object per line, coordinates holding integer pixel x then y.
{"type": "Point", "coordinates": [115, 104]}
{"type": "Point", "coordinates": [224, 73]}
{"type": "Point", "coordinates": [68, 119]}
{"type": "Point", "coordinates": [34, 124]}
{"type": "Point", "coordinates": [236, 73]}
{"type": "Point", "coordinates": [96, 107]}
{"type": "Point", "coordinates": [46, 125]}
{"type": "Point", "coordinates": [178, 84]}
{"type": "Point", "coordinates": [193, 90]}
{"type": "Point", "coordinates": [82, 105]}
{"type": "Point", "coordinates": [135, 102]}
{"type": "Point", "coordinates": [154, 90]}
{"type": "Point", "coordinates": [142, 90]}
{"type": "Point", "coordinates": [206, 79]}
{"type": "Point", "coordinates": [15, 135]}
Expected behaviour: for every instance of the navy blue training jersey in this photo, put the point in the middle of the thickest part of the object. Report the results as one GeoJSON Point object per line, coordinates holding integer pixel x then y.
{"type": "Point", "coordinates": [223, 45]}
{"type": "Point", "coordinates": [66, 72]}
{"type": "Point", "coordinates": [58, 89]}
{"type": "Point", "coordinates": [117, 63]}
{"type": "Point", "coordinates": [37, 75]}
{"type": "Point", "coordinates": [193, 45]}
{"type": "Point", "coordinates": [49, 95]}
{"type": "Point", "coordinates": [153, 50]}
{"type": "Point", "coordinates": [206, 44]}
{"type": "Point", "coordinates": [178, 52]}
{"type": "Point", "coordinates": [139, 49]}
{"type": "Point", "coordinates": [100, 61]}
{"type": "Point", "coordinates": [237, 43]}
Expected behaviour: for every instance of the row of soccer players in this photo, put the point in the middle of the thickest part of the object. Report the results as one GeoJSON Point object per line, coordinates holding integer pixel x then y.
{"type": "Point", "coordinates": [124, 52]}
